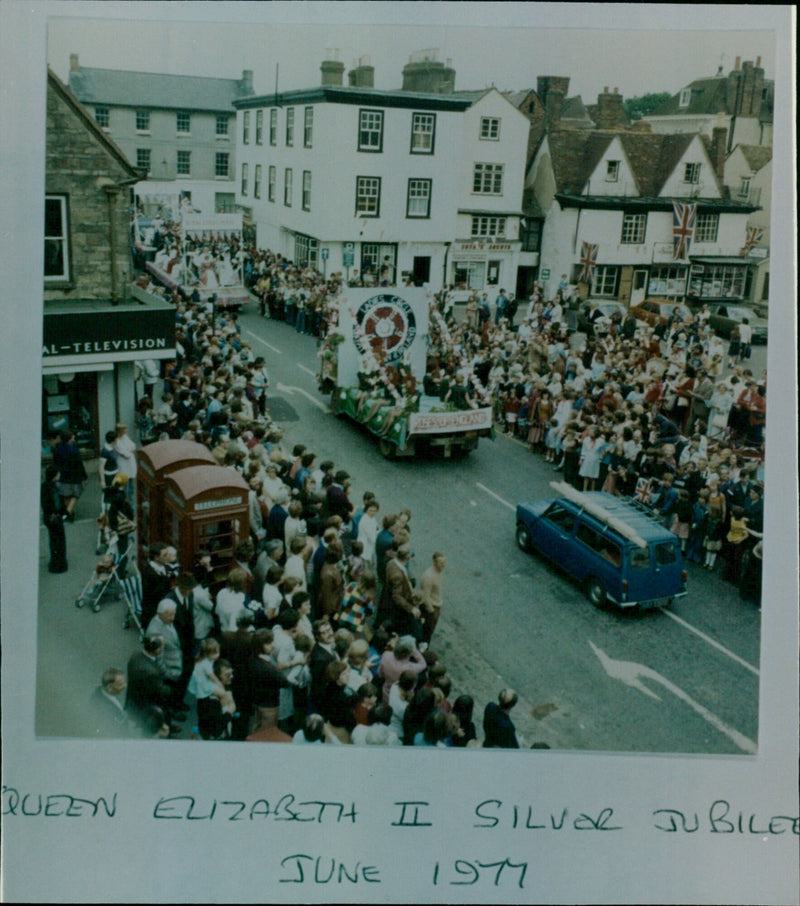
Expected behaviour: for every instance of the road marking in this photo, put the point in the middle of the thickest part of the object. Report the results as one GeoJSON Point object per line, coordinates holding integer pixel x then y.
{"type": "Point", "coordinates": [705, 638]}
{"type": "Point", "coordinates": [668, 613]}
{"type": "Point", "coordinates": [307, 370]}
{"type": "Point", "coordinates": [306, 394]}
{"type": "Point", "coordinates": [496, 496]}
{"type": "Point", "coordinates": [629, 673]}
{"type": "Point", "coordinates": [256, 337]}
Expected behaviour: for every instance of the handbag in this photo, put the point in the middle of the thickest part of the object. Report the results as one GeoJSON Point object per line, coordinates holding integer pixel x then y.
{"type": "Point", "coordinates": [124, 525]}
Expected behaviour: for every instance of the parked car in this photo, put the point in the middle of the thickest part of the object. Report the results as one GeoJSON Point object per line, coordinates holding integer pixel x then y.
{"type": "Point", "coordinates": [615, 547]}
{"type": "Point", "coordinates": [659, 311]}
{"type": "Point", "coordinates": [608, 308]}
{"type": "Point", "coordinates": [724, 317]}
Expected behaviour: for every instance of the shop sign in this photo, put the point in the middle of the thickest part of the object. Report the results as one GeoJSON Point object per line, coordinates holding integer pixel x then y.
{"type": "Point", "coordinates": [478, 246]}
{"type": "Point", "coordinates": [214, 504]}
{"type": "Point", "coordinates": [105, 333]}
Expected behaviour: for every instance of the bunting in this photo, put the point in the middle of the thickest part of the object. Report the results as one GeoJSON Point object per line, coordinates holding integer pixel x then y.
{"type": "Point", "coordinates": [683, 218]}
{"type": "Point", "coordinates": [588, 261]}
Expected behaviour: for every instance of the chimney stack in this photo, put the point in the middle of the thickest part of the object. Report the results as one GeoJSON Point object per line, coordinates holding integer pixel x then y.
{"type": "Point", "coordinates": [246, 81]}
{"type": "Point", "coordinates": [74, 65]}
{"type": "Point", "coordinates": [719, 140]}
{"type": "Point", "coordinates": [737, 63]}
{"type": "Point", "coordinates": [362, 75]}
{"type": "Point", "coordinates": [610, 110]}
{"type": "Point", "coordinates": [425, 73]}
{"type": "Point", "coordinates": [758, 61]}
{"type": "Point", "coordinates": [332, 68]}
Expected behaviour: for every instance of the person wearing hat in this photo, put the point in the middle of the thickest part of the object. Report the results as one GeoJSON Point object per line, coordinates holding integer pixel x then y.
{"type": "Point", "coordinates": [120, 514]}
{"type": "Point", "coordinates": [338, 501]}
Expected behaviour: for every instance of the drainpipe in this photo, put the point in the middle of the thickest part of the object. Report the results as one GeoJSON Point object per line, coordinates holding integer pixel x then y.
{"type": "Point", "coordinates": [111, 194]}
{"type": "Point", "coordinates": [444, 266]}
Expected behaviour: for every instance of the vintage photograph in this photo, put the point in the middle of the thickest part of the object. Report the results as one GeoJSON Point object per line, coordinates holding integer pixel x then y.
{"type": "Point", "coordinates": [405, 387]}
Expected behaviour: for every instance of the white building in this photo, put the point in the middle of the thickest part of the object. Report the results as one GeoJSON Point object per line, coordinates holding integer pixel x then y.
{"type": "Point", "coordinates": [748, 175]}
{"type": "Point", "coordinates": [616, 191]}
{"type": "Point", "coordinates": [418, 185]}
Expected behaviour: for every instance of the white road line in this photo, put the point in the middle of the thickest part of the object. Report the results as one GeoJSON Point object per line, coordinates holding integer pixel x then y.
{"type": "Point", "coordinates": [256, 337]}
{"type": "Point", "coordinates": [705, 638]}
{"type": "Point", "coordinates": [496, 497]}
{"type": "Point", "coordinates": [307, 370]}
{"type": "Point", "coordinates": [672, 616]}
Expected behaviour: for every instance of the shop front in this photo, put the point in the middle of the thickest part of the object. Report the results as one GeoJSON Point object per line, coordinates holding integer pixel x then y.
{"type": "Point", "coordinates": [483, 265]}
{"type": "Point", "coordinates": [89, 350]}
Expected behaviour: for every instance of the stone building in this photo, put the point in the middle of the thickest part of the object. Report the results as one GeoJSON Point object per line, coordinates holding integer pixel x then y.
{"type": "Point", "coordinates": [96, 324]}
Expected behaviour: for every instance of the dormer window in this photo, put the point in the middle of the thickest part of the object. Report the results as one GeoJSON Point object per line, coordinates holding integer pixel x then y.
{"type": "Point", "coordinates": [691, 174]}
{"type": "Point", "coordinates": [612, 171]}
{"type": "Point", "coordinates": [685, 98]}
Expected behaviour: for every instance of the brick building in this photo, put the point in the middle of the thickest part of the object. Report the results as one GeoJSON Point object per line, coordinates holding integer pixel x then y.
{"type": "Point", "coordinates": [96, 324]}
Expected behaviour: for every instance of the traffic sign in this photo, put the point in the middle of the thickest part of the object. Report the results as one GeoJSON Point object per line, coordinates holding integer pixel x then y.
{"type": "Point", "coordinates": [348, 254]}
{"type": "Point", "coordinates": [325, 253]}
{"type": "Point", "coordinates": [545, 273]}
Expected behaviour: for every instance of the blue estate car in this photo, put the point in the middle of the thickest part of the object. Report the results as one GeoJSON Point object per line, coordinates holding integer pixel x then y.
{"type": "Point", "coordinates": [614, 547]}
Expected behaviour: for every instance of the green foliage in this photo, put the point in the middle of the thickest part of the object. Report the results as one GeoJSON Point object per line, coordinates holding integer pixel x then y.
{"type": "Point", "coordinates": [637, 107]}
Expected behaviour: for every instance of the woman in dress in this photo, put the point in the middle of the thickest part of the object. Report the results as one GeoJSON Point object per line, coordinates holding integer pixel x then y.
{"type": "Point", "coordinates": [126, 457]}
{"type": "Point", "coordinates": [541, 413]}
{"type": "Point", "coordinates": [592, 450]}
{"type": "Point", "coordinates": [715, 523]}
{"type": "Point", "coordinates": [232, 599]}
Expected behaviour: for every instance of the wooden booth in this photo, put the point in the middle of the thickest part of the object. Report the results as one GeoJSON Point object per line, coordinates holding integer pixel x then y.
{"type": "Point", "coordinates": [206, 508]}
{"type": "Point", "coordinates": [155, 463]}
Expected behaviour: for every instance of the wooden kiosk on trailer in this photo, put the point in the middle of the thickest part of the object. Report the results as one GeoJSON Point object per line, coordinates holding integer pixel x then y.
{"type": "Point", "coordinates": [206, 508]}
{"type": "Point", "coordinates": [155, 462]}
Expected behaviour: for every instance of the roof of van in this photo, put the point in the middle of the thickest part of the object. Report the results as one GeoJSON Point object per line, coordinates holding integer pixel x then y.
{"type": "Point", "coordinates": [636, 515]}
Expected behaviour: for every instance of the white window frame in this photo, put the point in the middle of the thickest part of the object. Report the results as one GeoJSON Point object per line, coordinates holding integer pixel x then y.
{"type": "Point", "coordinates": [691, 172]}
{"type": "Point", "coordinates": [288, 186]}
{"type": "Point", "coordinates": [142, 116]}
{"type": "Point", "coordinates": [308, 127]}
{"type": "Point", "coordinates": [605, 281]}
{"type": "Point", "coordinates": [612, 171]}
{"type": "Point", "coordinates": [221, 126]}
{"type": "Point", "coordinates": [257, 182]}
{"type": "Point", "coordinates": [634, 228]}
{"type": "Point", "coordinates": [367, 189]}
{"type": "Point", "coordinates": [148, 154]}
{"type": "Point", "coordinates": [183, 117]}
{"type": "Point", "coordinates": [306, 193]}
{"type": "Point", "coordinates": [289, 127]}
{"type": "Point", "coordinates": [246, 127]}
{"type": "Point", "coordinates": [62, 237]}
{"type": "Point", "coordinates": [706, 227]}
{"type": "Point", "coordinates": [423, 133]}
{"type": "Point", "coordinates": [102, 116]}
{"type": "Point", "coordinates": [245, 177]}
{"type": "Point", "coordinates": [221, 157]}
{"type": "Point", "coordinates": [744, 188]}
{"type": "Point", "coordinates": [490, 129]}
{"type": "Point", "coordinates": [259, 127]}
{"type": "Point", "coordinates": [272, 179]}
{"type": "Point", "coordinates": [487, 178]}
{"type": "Point", "coordinates": [416, 197]}
{"type": "Point", "coordinates": [273, 126]}
{"type": "Point", "coordinates": [685, 98]}
{"type": "Point", "coordinates": [183, 163]}
{"type": "Point", "coordinates": [488, 225]}
{"type": "Point", "coordinates": [370, 130]}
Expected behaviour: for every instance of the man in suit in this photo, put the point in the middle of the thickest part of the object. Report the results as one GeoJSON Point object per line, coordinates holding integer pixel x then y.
{"type": "Point", "coordinates": [338, 502]}
{"type": "Point", "coordinates": [397, 600]}
{"type": "Point", "coordinates": [498, 730]}
{"type": "Point", "coordinates": [322, 654]}
{"type": "Point", "coordinates": [171, 657]}
{"type": "Point", "coordinates": [237, 648]}
{"type": "Point", "coordinates": [110, 720]}
{"type": "Point", "coordinates": [183, 596]}
{"type": "Point", "coordinates": [157, 579]}
{"type": "Point", "coordinates": [147, 683]}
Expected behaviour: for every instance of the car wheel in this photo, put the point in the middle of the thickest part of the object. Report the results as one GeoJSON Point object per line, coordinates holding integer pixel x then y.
{"type": "Point", "coordinates": [596, 593]}
{"type": "Point", "coordinates": [523, 537]}
{"type": "Point", "coordinates": [387, 449]}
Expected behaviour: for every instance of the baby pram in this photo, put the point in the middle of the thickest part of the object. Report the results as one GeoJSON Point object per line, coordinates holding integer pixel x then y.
{"type": "Point", "coordinates": [106, 579]}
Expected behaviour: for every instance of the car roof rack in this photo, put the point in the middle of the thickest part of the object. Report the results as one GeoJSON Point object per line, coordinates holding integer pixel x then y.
{"type": "Point", "coordinates": [599, 512]}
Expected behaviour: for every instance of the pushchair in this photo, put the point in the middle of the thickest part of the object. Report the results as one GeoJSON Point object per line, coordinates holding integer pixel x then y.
{"type": "Point", "coordinates": [106, 579]}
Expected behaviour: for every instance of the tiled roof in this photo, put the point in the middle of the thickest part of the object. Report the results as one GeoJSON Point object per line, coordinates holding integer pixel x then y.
{"type": "Point", "coordinates": [652, 157]}
{"type": "Point", "coordinates": [708, 96]}
{"type": "Point", "coordinates": [117, 87]}
{"type": "Point", "coordinates": [756, 155]}
{"type": "Point", "coordinates": [575, 109]}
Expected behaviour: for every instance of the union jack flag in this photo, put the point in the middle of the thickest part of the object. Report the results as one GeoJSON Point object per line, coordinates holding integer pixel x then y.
{"type": "Point", "coordinates": [683, 217]}
{"type": "Point", "coordinates": [644, 490]}
{"type": "Point", "coordinates": [754, 235]}
{"type": "Point", "coordinates": [588, 261]}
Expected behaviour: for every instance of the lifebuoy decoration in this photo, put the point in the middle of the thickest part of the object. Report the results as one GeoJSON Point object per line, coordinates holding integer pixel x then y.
{"type": "Point", "coordinates": [385, 323]}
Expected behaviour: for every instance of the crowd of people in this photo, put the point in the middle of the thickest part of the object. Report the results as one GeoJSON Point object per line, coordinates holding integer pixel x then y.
{"type": "Point", "coordinates": [319, 633]}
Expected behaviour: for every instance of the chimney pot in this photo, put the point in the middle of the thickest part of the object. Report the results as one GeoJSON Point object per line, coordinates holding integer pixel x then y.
{"type": "Point", "coordinates": [605, 89]}
{"type": "Point", "coordinates": [74, 65]}
{"type": "Point", "coordinates": [738, 62]}
{"type": "Point", "coordinates": [616, 90]}
{"type": "Point", "coordinates": [758, 61]}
